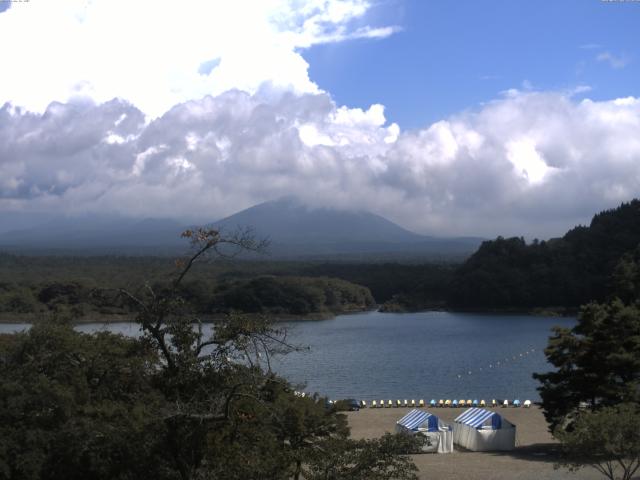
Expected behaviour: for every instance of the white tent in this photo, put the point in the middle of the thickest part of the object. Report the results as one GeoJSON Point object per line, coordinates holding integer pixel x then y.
{"type": "Point", "coordinates": [418, 422]}
{"type": "Point", "coordinates": [482, 430]}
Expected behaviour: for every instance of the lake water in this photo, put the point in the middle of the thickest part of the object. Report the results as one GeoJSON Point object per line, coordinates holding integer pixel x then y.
{"type": "Point", "coordinates": [377, 355]}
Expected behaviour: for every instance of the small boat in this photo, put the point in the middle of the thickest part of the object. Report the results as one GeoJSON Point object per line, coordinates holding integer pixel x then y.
{"type": "Point", "coordinates": [527, 404]}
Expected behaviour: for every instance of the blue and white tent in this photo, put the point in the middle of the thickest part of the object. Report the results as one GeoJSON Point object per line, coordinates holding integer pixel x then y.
{"type": "Point", "coordinates": [439, 435]}
{"type": "Point", "coordinates": [482, 430]}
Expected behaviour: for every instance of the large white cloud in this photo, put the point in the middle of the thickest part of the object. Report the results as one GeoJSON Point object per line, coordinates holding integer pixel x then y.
{"type": "Point", "coordinates": [157, 53]}
{"type": "Point", "coordinates": [529, 162]}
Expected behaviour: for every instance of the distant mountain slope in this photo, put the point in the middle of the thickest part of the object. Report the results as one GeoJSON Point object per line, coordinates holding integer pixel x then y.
{"type": "Point", "coordinates": [298, 230]}
{"type": "Point", "coordinates": [295, 231]}
{"type": "Point", "coordinates": [565, 272]}
{"type": "Point", "coordinates": [290, 221]}
{"type": "Point", "coordinates": [97, 233]}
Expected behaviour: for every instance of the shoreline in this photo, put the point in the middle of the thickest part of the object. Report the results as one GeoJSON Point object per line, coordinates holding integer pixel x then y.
{"type": "Point", "coordinates": [30, 318]}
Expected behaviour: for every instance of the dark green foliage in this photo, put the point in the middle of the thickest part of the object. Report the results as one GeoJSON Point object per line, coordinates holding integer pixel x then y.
{"type": "Point", "coordinates": [75, 406]}
{"type": "Point", "coordinates": [607, 440]}
{"type": "Point", "coordinates": [626, 277]}
{"type": "Point", "coordinates": [597, 362]}
{"type": "Point", "coordinates": [565, 272]}
{"type": "Point", "coordinates": [293, 295]}
{"type": "Point", "coordinates": [384, 458]}
{"type": "Point", "coordinates": [213, 289]}
{"type": "Point", "coordinates": [407, 286]}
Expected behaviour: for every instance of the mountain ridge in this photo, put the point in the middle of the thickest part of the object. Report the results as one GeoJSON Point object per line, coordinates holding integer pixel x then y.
{"type": "Point", "coordinates": [295, 230]}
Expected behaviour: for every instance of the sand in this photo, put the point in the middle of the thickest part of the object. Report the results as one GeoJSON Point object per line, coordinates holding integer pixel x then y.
{"type": "Point", "coordinates": [533, 458]}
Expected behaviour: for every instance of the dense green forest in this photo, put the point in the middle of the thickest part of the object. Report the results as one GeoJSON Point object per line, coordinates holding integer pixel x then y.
{"type": "Point", "coordinates": [584, 265]}
{"type": "Point", "coordinates": [84, 287]}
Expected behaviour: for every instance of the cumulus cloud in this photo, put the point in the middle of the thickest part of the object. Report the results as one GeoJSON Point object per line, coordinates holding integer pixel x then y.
{"type": "Point", "coordinates": [159, 53]}
{"type": "Point", "coordinates": [528, 162]}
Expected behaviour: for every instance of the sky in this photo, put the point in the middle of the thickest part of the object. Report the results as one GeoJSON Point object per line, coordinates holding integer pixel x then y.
{"type": "Point", "coordinates": [474, 117]}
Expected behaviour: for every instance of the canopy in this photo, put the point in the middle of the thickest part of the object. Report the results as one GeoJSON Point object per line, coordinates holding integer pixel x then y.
{"type": "Point", "coordinates": [439, 436]}
{"type": "Point", "coordinates": [416, 419]}
{"type": "Point", "coordinates": [482, 430]}
{"type": "Point", "coordinates": [479, 417]}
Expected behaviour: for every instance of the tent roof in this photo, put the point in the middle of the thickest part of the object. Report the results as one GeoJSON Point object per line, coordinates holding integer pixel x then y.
{"type": "Point", "coordinates": [415, 418]}
{"type": "Point", "coordinates": [475, 417]}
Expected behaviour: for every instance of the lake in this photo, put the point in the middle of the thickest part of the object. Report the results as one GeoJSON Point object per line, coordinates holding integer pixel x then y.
{"type": "Point", "coordinates": [375, 355]}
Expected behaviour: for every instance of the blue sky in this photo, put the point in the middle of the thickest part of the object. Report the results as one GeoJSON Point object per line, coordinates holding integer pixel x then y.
{"type": "Point", "coordinates": [453, 55]}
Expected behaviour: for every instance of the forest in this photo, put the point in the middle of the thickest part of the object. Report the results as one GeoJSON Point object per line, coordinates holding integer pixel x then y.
{"type": "Point", "coordinates": [589, 263]}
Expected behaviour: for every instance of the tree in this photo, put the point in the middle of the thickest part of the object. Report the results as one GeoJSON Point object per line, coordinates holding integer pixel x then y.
{"type": "Point", "coordinates": [607, 440]}
{"type": "Point", "coordinates": [626, 276]}
{"type": "Point", "coordinates": [384, 458]}
{"type": "Point", "coordinates": [597, 362]}
{"type": "Point", "coordinates": [177, 403]}
{"type": "Point", "coordinates": [77, 406]}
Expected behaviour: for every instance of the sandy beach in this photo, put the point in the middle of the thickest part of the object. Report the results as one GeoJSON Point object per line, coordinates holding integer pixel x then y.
{"type": "Point", "coordinates": [533, 458]}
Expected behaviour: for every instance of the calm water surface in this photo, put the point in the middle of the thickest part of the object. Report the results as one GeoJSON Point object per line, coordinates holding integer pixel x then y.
{"type": "Point", "coordinates": [376, 355]}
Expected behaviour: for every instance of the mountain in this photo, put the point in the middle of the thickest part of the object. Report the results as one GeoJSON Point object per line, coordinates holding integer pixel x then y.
{"type": "Point", "coordinates": [97, 234]}
{"type": "Point", "coordinates": [294, 229]}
